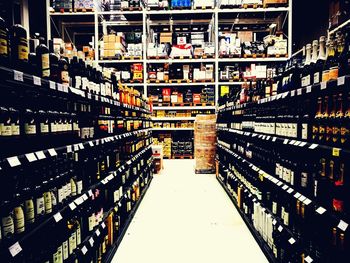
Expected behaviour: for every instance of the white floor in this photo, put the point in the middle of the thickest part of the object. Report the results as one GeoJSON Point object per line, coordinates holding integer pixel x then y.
{"type": "Point", "coordinates": [186, 218]}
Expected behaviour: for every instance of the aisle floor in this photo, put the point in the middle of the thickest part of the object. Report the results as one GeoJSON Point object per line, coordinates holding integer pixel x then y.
{"type": "Point", "coordinates": [186, 217]}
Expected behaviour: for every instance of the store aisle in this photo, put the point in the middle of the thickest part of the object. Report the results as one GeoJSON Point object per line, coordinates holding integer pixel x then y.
{"type": "Point", "coordinates": [186, 217]}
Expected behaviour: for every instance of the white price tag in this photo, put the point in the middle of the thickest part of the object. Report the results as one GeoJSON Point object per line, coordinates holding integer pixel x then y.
{"type": "Point", "coordinates": [103, 225]}
{"type": "Point", "coordinates": [292, 93]}
{"type": "Point", "coordinates": [302, 198]}
{"type": "Point", "coordinates": [72, 206]}
{"type": "Point", "coordinates": [274, 139]}
{"type": "Point", "coordinates": [323, 85]}
{"type": "Point", "coordinates": [15, 249]}
{"type": "Point", "coordinates": [308, 259]}
{"type": "Point", "coordinates": [81, 146]}
{"type": "Point", "coordinates": [40, 155]}
{"type": "Point", "coordinates": [18, 75]}
{"type": "Point", "coordinates": [98, 233]}
{"type": "Point", "coordinates": [307, 201]}
{"type": "Point", "coordinates": [91, 143]}
{"type": "Point", "coordinates": [69, 148]}
{"type": "Point", "coordinates": [297, 195]}
{"type": "Point", "coordinates": [91, 241]}
{"type": "Point", "coordinates": [285, 187]}
{"type": "Point", "coordinates": [308, 89]}
{"type": "Point", "coordinates": [119, 204]}
{"type": "Point", "coordinates": [291, 241]}
{"type": "Point", "coordinates": [280, 228]}
{"type": "Point", "coordinates": [76, 147]}
{"type": "Point", "coordinates": [343, 225]}
{"type": "Point", "coordinates": [85, 197]}
{"type": "Point", "coordinates": [84, 250]}
{"type": "Point", "coordinates": [59, 87]}
{"type": "Point", "coordinates": [37, 81]}
{"type": "Point", "coordinates": [274, 222]}
{"type": "Point", "coordinates": [52, 85]}
{"type": "Point", "coordinates": [14, 161]}
{"type": "Point", "coordinates": [321, 210]}
{"type": "Point", "coordinates": [58, 217]}
{"type": "Point", "coordinates": [299, 91]}
{"type": "Point", "coordinates": [313, 146]}
{"type": "Point", "coordinates": [290, 190]}
{"type": "Point", "coordinates": [52, 152]}
{"type": "Point", "coordinates": [302, 144]}
{"type": "Point", "coordinates": [90, 192]}
{"type": "Point", "coordinates": [341, 81]}
{"type": "Point", "coordinates": [31, 157]}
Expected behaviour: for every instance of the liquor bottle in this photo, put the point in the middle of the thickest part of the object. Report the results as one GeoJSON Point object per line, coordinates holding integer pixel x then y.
{"type": "Point", "coordinates": [19, 47]}
{"type": "Point", "coordinates": [54, 69]}
{"type": "Point", "coordinates": [324, 119]}
{"type": "Point", "coordinates": [338, 121]}
{"type": "Point", "coordinates": [331, 65]}
{"type": "Point", "coordinates": [63, 71]}
{"type": "Point", "coordinates": [74, 73]}
{"type": "Point", "coordinates": [344, 57]}
{"type": "Point", "coordinates": [320, 60]}
{"type": "Point", "coordinates": [313, 60]}
{"type": "Point", "coordinates": [4, 43]}
{"type": "Point", "coordinates": [317, 122]}
{"type": "Point", "coordinates": [43, 59]}
{"type": "Point", "coordinates": [339, 191]}
{"type": "Point", "coordinates": [306, 81]}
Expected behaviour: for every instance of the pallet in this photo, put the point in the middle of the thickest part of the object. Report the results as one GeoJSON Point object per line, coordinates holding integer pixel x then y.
{"type": "Point", "coordinates": [254, 6]}
{"type": "Point", "coordinates": [181, 57]}
{"type": "Point", "coordinates": [181, 8]}
{"type": "Point", "coordinates": [254, 55]}
{"type": "Point", "coordinates": [157, 57]}
{"type": "Point", "coordinates": [203, 7]}
{"type": "Point", "coordinates": [166, 104]}
{"type": "Point", "coordinates": [230, 56]}
{"type": "Point", "coordinates": [204, 56]}
{"type": "Point", "coordinates": [166, 157]}
{"type": "Point", "coordinates": [277, 56]}
{"type": "Point", "coordinates": [185, 156]}
{"type": "Point", "coordinates": [132, 9]}
{"type": "Point", "coordinates": [83, 10]}
{"type": "Point", "coordinates": [62, 10]}
{"type": "Point", "coordinates": [228, 80]}
{"type": "Point", "coordinates": [179, 81]}
{"type": "Point", "coordinates": [157, 81]}
{"type": "Point", "coordinates": [181, 104]}
{"type": "Point", "coordinates": [136, 81]}
{"type": "Point", "coordinates": [275, 5]}
{"type": "Point", "coordinates": [131, 58]}
{"type": "Point", "coordinates": [156, 8]}
{"type": "Point", "coordinates": [204, 104]}
{"type": "Point", "coordinates": [111, 58]}
{"type": "Point", "coordinates": [205, 171]}
{"type": "Point", "coordinates": [229, 6]}
{"type": "Point", "coordinates": [203, 81]}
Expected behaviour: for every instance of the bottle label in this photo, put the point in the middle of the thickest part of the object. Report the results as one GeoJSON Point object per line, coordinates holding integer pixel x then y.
{"type": "Point", "coordinates": [3, 46]}
{"type": "Point", "coordinates": [78, 82]}
{"type": "Point", "coordinates": [85, 133]}
{"type": "Point", "coordinates": [65, 250]}
{"type": "Point", "coordinates": [75, 126]}
{"type": "Point", "coordinates": [53, 127]}
{"type": "Point", "coordinates": [79, 187]}
{"type": "Point", "coordinates": [286, 218]}
{"type": "Point", "coordinates": [116, 196]}
{"type": "Point", "coordinates": [60, 254]}
{"type": "Point", "coordinates": [60, 195]}
{"type": "Point", "coordinates": [73, 187]}
{"type": "Point", "coordinates": [91, 222]}
{"type": "Point", "coordinates": [78, 235]}
{"type": "Point", "coordinates": [15, 129]}
{"type": "Point", "coordinates": [23, 52]}
{"type": "Point", "coordinates": [29, 211]}
{"type": "Point", "coordinates": [333, 73]}
{"type": "Point", "coordinates": [69, 189]}
{"type": "Point", "coordinates": [6, 129]}
{"type": "Point", "coordinates": [72, 243]}
{"type": "Point", "coordinates": [291, 177]}
{"type": "Point", "coordinates": [84, 83]}
{"type": "Point", "coordinates": [53, 199]}
{"type": "Point", "coordinates": [317, 78]}
{"type": "Point", "coordinates": [44, 128]}
{"type": "Point", "coordinates": [304, 129]}
{"type": "Point", "coordinates": [29, 128]}
{"type": "Point", "coordinates": [338, 205]}
{"type": "Point", "coordinates": [19, 219]}
{"type": "Point", "coordinates": [64, 76]}
{"type": "Point", "coordinates": [8, 227]}
{"type": "Point", "coordinates": [303, 180]}
{"type": "Point", "coordinates": [45, 60]}
{"type": "Point", "coordinates": [48, 202]}
{"type": "Point", "coordinates": [40, 205]}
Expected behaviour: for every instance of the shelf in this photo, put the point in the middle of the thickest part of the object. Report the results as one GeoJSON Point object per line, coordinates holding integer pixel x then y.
{"type": "Point", "coordinates": [184, 108]}
{"type": "Point", "coordinates": [172, 129]}
{"type": "Point", "coordinates": [173, 118]}
{"type": "Point", "coordinates": [233, 82]}
{"type": "Point", "coordinates": [120, 12]}
{"type": "Point", "coordinates": [224, 60]}
{"type": "Point", "coordinates": [115, 61]}
{"type": "Point", "coordinates": [72, 14]}
{"type": "Point", "coordinates": [253, 10]}
{"type": "Point", "coordinates": [68, 210]}
{"type": "Point", "coordinates": [315, 89]}
{"type": "Point", "coordinates": [332, 151]}
{"type": "Point", "coordinates": [181, 84]}
{"type": "Point", "coordinates": [185, 60]}
{"type": "Point", "coordinates": [15, 161]}
{"type": "Point", "coordinates": [340, 223]}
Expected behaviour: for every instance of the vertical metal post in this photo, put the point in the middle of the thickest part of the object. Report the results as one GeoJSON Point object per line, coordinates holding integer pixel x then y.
{"type": "Point", "coordinates": [96, 36]}
{"type": "Point", "coordinates": [144, 47]}
{"type": "Point", "coordinates": [290, 28]}
{"type": "Point", "coordinates": [48, 20]}
{"type": "Point", "coordinates": [216, 43]}
{"type": "Point", "coordinates": [25, 15]}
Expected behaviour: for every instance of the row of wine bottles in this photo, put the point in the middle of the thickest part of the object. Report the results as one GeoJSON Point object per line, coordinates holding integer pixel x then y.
{"type": "Point", "coordinates": [300, 231]}
{"type": "Point", "coordinates": [32, 194]}
{"type": "Point", "coordinates": [321, 118]}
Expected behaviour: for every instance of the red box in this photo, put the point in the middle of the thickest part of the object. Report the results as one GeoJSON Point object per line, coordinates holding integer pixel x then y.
{"type": "Point", "coordinates": [166, 94]}
{"type": "Point", "coordinates": [137, 67]}
{"type": "Point", "coordinates": [196, 98]}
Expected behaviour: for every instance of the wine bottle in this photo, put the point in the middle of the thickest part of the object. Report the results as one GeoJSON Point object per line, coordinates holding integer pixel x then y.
{"type": "Point", "coordinates": [344, 57]}
{"type": "Point", "coordinates": [19, 47]}
{"type": "Point", "coordinates": [4, 43]}
{"type": "Point", "coordinates": [320, 60]}
{"type": "Point", "coordinates": [306, 81]}
{"type": "Point", "coordinates": [43, 59]}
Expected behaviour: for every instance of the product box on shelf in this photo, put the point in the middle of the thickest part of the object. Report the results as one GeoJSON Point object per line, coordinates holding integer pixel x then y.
{"type": "Point", "coordinates": [203, 3]}
{"type": "Point", "coordinates": [166, 37]}
{"type": "Point", "coordinates": [84, 4]}
{"type": "Point", "coordinates": [273, 2]}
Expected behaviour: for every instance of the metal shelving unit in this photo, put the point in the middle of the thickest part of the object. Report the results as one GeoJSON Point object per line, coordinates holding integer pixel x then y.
{"type": "Point", "coordinates": [142, 18]}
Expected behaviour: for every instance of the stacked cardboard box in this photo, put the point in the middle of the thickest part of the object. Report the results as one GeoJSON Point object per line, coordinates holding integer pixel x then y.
{"type": "Point", "coordinates": [204, 143]}
{"type": "Point", "coordinates": [113, 45]}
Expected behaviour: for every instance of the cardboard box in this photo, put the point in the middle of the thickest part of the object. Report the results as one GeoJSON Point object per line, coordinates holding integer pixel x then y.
{"type": "Point", "coordinates": [196, 98]}
{"type": "Point", "coordinates": [166, 38]}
